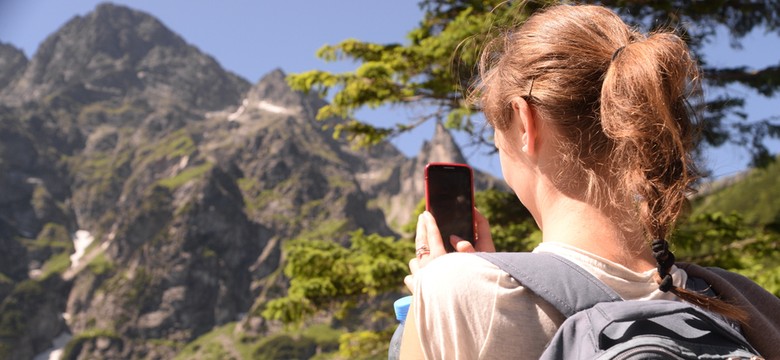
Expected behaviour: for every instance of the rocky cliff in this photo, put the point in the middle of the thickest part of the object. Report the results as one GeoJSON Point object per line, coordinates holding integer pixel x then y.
{"type": "Point", "coordinates": [12, 64]}
{"type": "Point", "coordinates": [179, 182]}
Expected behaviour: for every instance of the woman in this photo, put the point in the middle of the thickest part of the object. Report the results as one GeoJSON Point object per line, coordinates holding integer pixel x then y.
{"type": "Point", "coordinates": [595, 138]}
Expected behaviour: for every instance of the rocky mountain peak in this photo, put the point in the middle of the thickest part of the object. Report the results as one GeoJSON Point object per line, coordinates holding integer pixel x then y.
{"type": "Point", "coordinates": [117, 51]}
{"type": "Point", "coordinates": [441, 148]}
{"type": "Point", "coordinates": [272, 93]}
{"type": "Point", "coordinates": [123, 30]}
{"type": "Point", "coordinates": [12, 63]}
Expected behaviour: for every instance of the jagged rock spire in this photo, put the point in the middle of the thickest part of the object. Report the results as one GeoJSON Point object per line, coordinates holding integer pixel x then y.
{"type": "Point", "coordinates": [441, 148]}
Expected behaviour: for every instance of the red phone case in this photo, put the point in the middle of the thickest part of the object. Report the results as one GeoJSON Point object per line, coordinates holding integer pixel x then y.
{"type": "Point", "coordinates": [455, 168]}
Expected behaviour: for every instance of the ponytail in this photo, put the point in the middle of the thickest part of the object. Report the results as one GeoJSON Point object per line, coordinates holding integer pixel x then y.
{"type": "Point", "coordinates": [645, 113]}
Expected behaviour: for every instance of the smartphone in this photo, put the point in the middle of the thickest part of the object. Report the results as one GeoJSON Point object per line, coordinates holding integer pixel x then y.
{"type": "Point", "coordinates": [449, 197]}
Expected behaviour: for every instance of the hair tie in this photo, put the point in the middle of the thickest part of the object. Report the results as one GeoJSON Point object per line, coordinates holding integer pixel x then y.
{"type": "Point", "coordinates": [617, 52]}
{"type": "Point", "coordinates": [660, 249]}
{"type": "Point", "coordinates": [664, 259]}
{"type": "Point", "coordinates": [666, 284]}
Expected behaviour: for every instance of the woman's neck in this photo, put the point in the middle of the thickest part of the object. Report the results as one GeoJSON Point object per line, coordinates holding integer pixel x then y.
{"type": "Point", "coordinates": [609, 234]}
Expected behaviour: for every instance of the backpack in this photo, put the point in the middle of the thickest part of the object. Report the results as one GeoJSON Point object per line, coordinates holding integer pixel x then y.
{"type": "Point", "coordinates": [601, 325]}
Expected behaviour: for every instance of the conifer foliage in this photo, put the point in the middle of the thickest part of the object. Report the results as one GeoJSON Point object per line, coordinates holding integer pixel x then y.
{"type": "Point", "coordinates": [436, 64]}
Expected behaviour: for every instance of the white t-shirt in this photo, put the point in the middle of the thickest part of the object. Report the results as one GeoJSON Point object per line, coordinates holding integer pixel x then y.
{"type": "Point", "coordinates": [467, 308]}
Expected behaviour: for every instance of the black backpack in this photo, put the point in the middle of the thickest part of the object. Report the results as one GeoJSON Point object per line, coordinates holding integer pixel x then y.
{"type": "Point", "coordinates": [601, 325]}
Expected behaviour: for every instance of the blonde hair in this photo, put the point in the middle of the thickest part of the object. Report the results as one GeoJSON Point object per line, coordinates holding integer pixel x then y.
{"type": "Point", "coordinates": [618, 101]}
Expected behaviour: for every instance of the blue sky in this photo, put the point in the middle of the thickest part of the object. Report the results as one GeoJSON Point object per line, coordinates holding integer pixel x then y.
{"type": "Point", "coordinates": [254, 37]}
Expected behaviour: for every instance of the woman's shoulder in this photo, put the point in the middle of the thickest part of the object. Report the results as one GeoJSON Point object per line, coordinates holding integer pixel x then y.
{"type": "Point", "coordinates": [460, 279]}
{"type": "Point", "coordinates": [464, 276]}
{"type": "Point", "coordinates": [464, 269]}
{"type": "Point", "coordinates": [470, 260]}
{"type": "Point", "coordinates": [486, 310]}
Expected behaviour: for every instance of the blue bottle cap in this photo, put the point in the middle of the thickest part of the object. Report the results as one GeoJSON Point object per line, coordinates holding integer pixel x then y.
{"type": "Point", "coordinates": [401, 307]}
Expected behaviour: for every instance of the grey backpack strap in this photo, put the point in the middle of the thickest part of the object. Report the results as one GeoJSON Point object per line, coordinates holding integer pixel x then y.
{"type": "Point", "coordinates": [568, 287]}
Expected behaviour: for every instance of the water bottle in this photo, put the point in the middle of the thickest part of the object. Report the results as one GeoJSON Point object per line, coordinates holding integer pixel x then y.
{"type": "Point", "coordinates": [401, 307]}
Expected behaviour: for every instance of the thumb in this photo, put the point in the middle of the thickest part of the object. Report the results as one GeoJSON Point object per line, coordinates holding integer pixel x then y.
{"type": "Point", "coordinates": [461, 245]}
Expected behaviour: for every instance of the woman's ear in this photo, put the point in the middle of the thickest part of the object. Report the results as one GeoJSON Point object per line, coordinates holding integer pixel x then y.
{"type": "Point", "coordinates": [524, 116]}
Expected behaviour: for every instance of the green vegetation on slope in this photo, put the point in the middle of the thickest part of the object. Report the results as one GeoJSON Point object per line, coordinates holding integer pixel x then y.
{"type": "Point", "coordinates": [188, 174]}
{"type": "Point", "coordinates": [73, 347]}
{"type": "Point", "coordinates": [225, 342]}
{"type": "Point", "coordinates": [737, 227]}
{"type": "Point", "coordinates": [756, 197]}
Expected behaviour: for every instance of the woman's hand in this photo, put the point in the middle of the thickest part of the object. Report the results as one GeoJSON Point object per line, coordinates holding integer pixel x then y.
{"type": "Point", "coordinates": [484, 241]}
{"type": "Point", "coordinates": [429, 244]}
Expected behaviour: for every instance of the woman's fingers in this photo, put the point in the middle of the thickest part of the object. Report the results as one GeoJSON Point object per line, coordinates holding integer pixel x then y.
{"type": "Point", "coordinates": [433, 235]}
{"type": "Point", "coordinates": [421, 237]}
{"type": "Point", "coordinates": [414, 265]}
{"type": "Point", "coordinates": [427, 241]}
{"type": "Point", "coordinates": [409, 282]}
{"type": "Point", "coordinates": [484, 241]}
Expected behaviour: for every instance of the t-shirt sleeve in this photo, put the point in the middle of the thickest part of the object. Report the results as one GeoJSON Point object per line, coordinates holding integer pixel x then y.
{"type": "Point", "coordinates": [467, 308]}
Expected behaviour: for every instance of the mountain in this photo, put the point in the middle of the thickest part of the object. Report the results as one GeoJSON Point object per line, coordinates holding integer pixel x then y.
{"type": "Point", "coordinates": [116, 52]}
{"type": "Point", "coordinates": [12, 64]}
{"type": "Point", "coordinates": [146, 193]}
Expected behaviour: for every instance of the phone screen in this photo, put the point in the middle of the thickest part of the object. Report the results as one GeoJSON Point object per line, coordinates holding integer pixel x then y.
{"type": "Point", "coordinates": [449, 198]}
